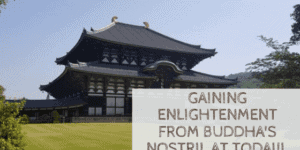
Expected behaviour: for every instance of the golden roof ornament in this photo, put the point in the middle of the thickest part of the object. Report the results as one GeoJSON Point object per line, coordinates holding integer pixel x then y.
{"type": "Point", "coordinates": [113, 19]}
{"type": "Point", "coordinates": [146, 25]}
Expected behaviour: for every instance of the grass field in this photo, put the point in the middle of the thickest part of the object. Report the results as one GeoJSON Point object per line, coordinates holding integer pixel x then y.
{"type": "Point", "coordinates": [80, 136]}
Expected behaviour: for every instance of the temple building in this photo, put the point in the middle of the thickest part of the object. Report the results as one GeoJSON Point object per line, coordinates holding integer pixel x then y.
{"type": "Point", "coordinates": [106, 64]}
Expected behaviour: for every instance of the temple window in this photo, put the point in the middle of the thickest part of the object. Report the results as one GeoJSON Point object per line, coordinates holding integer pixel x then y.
{"type": "Point", "coordinates": [116, 87]}
{"type": "Point", "coordinates": [125, 62]}
{"type": "Point", "coordinates": [95, 111]}
{"type": "Point", "coordinates": [91, 111]}
{"type": "Point", "coordinates": [184, 66]}
{"type": "Point", "coordinates": [105, 56]}
{"type": "Point", "coordinates": [110, 55]}
{"type": "Point", "coordinates": [133, 62]}
{"type": "Point", "coordinates": [92, 85]}
{"type": "Point", "coordinates": [129, 58]}
{"type": "Point", "coordinates": [114, 57]}
{"type": "Point", "coordinates": [120, 87]}
{"type": "Point", "coordinates": [105, 60]}
{"type": "Point", "coordinates": [140, 84]}
{"type": "Point", "coordinates": [151, 60]}
{"type": "Point", "coordinates": [91, 91]}
{"type": "Point", "coordinates": [135, 84]}
{"type": "Point", "coordinates": [115, 106]}
{"type": "Point", "coordinates": [98, 111]}
{"type": "Point", "coordinates": [95, 87]}
{"type": "Point", "coordinates": [144, 61]}
{"type": "Point", "coordinates": [133, 58]}
{"type": "Point", "coordinates": [132, 85]}
{"type": "Point", "coordinates": [99, 86]}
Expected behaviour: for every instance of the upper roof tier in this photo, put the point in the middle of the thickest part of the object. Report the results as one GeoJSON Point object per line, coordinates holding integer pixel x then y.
{"type": "Point", "coordinates": [141, 36]}
{"type": "Point", "coordinates": [133, 36]}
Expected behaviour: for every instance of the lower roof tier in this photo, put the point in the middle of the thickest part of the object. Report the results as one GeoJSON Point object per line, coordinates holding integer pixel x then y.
{"type": "Point", "coordinates": [116, 70]}
{"type": "Point", "coordinates": [75, 78]}
{"type": "Point", "coordinates": [57, 103]}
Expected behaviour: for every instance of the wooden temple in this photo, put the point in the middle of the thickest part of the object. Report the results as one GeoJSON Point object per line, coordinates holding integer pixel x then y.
{"type": "Point", "coordinates": [106, 64]}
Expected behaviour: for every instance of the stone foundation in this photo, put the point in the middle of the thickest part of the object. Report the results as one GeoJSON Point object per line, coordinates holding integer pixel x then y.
{"type": "Point", "coordinates": [101, 119]}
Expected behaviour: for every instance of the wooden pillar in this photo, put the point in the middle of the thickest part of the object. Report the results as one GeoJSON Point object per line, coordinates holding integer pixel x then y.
{"type": "Point", "coordinates": [77, 112]}
{"type": "Point", "coordinates": [105, 83]}
{"type": "Point", "coordinates": [126, 86]}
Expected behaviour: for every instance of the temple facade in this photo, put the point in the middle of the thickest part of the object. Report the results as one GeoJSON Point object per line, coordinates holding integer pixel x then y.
{"type": "Point", "coordinates": [106, 64]}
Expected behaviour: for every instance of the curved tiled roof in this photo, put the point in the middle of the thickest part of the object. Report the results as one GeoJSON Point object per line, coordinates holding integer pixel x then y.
{"type": "Point", "coordinates": [137, 36]}
{"type": "Point", "coordinates": [144, 37]}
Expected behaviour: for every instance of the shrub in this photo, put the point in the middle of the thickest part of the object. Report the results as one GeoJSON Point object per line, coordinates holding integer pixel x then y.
{"type": "Point", "coordinates": [24, 119]}
{"type": "Point", "coordinates": [56, 117]}
{"type": "Point", "coordinates": [11, 136]}
{"type": "Point", "coordinates": [44, 118]}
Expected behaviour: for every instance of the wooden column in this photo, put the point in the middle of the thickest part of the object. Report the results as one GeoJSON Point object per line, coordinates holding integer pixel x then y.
{"type": "Point", "coordinates": [105, 83]}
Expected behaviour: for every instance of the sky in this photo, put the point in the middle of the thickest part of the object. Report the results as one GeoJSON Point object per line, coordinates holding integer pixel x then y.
{"type": "Point", "coordinates": [34, 33]}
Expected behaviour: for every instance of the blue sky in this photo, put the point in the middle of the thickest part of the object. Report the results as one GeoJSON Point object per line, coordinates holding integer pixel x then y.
{"type": "Point", "coordinates": [34, 33]}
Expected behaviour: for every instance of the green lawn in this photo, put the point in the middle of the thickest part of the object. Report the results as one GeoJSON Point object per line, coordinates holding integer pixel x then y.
{"type": "Point", "coordinates": [79, 136]}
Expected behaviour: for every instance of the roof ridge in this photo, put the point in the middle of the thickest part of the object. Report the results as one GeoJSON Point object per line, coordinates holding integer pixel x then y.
{"type": "Point", "coordinates": [173, 39]}
{"type": "Point", "coordinates": [102, 29]}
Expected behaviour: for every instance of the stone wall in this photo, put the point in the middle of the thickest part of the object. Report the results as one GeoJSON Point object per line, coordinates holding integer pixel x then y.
{"type": "Point", "coordinates": [101, 119]}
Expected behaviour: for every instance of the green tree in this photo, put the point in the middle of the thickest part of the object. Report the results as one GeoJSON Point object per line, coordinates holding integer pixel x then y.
{"type": "Point", "coordinates": [296, 26]}
{"type": "Point", "coordinates": [3, 3]}
{"type": "Point", "coordinates": [11, 137]}
{"type": "Point", "coordinates": [56, 117]}
{"type": "Point", "coordinates": [281, 68]}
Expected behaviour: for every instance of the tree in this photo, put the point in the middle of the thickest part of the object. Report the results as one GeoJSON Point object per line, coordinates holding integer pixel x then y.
{"type": "Point", "coordinates": [3, 2]}
{"type": "Point", "coordinates": [11, 137]}
{"type": "Point", "coordinates": [56, 117]}
{"type": "Point", "coordinates": [279, 69]}
{"type": "Point", "coordinates": [296, 26]}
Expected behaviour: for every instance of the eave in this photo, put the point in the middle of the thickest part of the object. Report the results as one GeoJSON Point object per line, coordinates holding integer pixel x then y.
{"type": "Point", "coordinates": [60, 59]}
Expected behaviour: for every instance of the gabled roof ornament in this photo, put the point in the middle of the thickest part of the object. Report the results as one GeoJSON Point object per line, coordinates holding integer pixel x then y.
{"type": "Point", "coordinates": [92, 29]}
{"type": "Point", "coordinates": [146, 25]}
{"type": "Point", "coordinates": [113, 19]}
{"type": "Point", "coordinates": [84, 30]}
